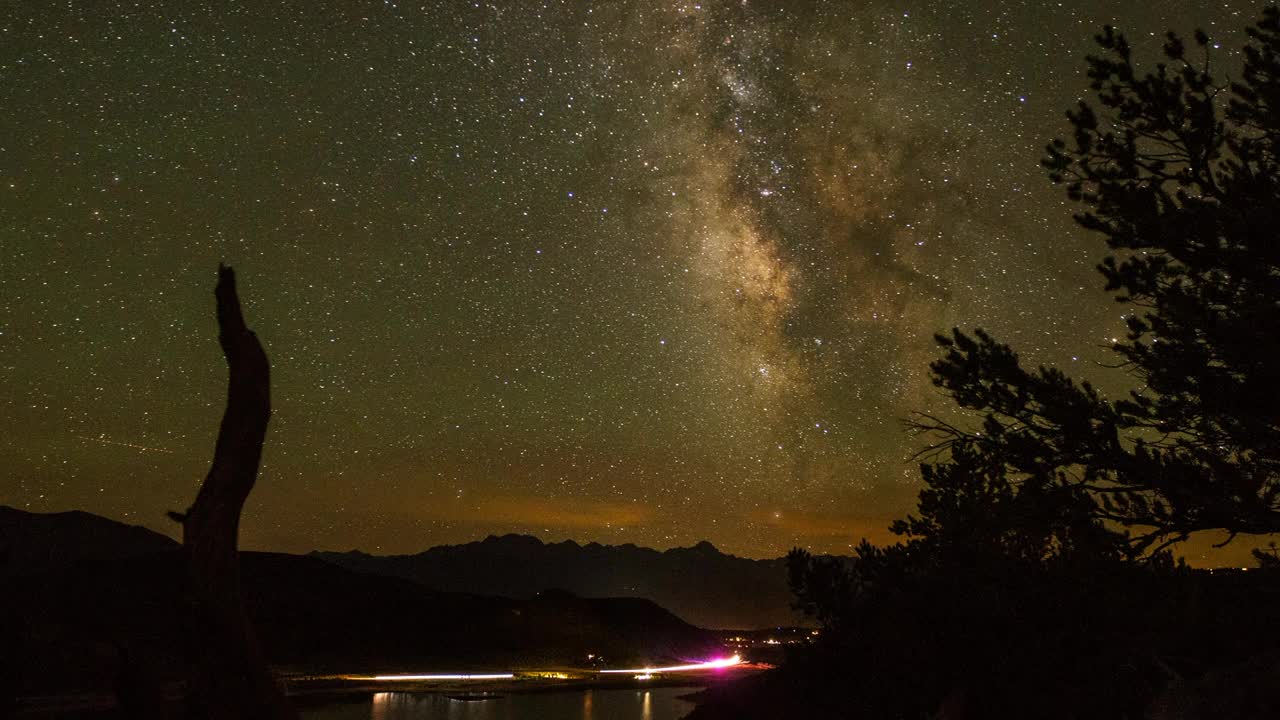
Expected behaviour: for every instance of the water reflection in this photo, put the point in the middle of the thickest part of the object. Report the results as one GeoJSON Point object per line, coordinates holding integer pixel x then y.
{"type": "Point", "coordinates": [397, 705]}
{"type": "Point", "coordinates": [648, 704]}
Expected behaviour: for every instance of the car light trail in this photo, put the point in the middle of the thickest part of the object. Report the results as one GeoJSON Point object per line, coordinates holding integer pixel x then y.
{"type": "Point", "coordinates": [639, 673]}
{"type": "Point", "coordinates": [709, 665]}
{"type": "Point", "coordinates": [490, 676]}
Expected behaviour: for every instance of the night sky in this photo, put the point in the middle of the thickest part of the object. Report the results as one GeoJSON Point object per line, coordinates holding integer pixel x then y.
{"type": "Point", "coordinates": [648, 272]}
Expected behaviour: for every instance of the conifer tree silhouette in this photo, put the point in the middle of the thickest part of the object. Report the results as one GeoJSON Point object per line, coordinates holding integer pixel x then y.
{"type": "Point", "coordinates": [1180, 173]}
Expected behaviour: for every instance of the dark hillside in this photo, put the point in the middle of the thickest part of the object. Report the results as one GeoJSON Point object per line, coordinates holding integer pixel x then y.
{"type": "Point", "coordinates": [69, 625]}
{"type": "Point", "coordinates": [700, 584]}
{"type": "Point", "coordinates": [30, 542]}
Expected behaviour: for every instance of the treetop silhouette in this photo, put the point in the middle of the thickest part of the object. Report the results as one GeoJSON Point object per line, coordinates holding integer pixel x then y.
{"type": "Point", "coordinates": [1180, 173]}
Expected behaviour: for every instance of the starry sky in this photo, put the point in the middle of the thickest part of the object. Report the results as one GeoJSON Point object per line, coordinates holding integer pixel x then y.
{"type": "Point", "coordinates": [634, 271]}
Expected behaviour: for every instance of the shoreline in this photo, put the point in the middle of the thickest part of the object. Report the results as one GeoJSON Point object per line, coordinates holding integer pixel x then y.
{"type": "Point", "coordinates": [312, 690]}
{"type": "Point", "coordinates": [305, 687]}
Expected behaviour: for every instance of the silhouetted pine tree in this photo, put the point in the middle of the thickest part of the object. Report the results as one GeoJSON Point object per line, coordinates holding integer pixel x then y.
{"type": "Point", "coordinates": [1180, 173]}
{"type": "Point", "coordinates": [1008, 595]}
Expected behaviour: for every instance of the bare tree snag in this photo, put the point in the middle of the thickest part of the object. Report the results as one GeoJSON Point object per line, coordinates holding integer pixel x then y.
{"type": "Point", "coordinates": [229, 676]}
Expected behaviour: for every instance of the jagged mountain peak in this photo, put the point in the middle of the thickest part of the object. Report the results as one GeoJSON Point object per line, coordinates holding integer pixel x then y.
{"type": "Point", "coordinates": [700, 583]}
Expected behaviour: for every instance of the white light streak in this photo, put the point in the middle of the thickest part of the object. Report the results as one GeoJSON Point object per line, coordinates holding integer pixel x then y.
{"type": "Point", "coordinates": [709, 665]}
{"type": "Point", "coordinates": [452, 676]}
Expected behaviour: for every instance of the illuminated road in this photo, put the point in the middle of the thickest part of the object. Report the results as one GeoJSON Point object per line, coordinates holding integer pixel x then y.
{"type": "Point", "coordinates": [427, 682]}
{"type": "Point", "coordinates": [708, 665]}
{"type": "Point", "coordinates": [494, 676]}
{"type": "Point", "coordinates": [643, 673]}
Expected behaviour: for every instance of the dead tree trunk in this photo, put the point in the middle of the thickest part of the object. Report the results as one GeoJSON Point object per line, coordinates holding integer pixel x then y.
{"type": "Point", "coordinates": [229, 676]}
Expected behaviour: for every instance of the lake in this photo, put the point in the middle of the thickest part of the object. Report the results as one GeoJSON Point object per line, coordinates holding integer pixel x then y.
{"type": "Point", "coordinates": [628, 704]}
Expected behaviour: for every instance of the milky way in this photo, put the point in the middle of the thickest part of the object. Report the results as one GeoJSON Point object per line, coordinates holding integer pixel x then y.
{"type": "Point", "coordinates": [630, 272]}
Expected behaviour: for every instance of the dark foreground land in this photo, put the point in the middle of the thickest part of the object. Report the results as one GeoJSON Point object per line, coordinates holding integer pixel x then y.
{"type": "Point", "coordinates": [93, 607]}
{"type": "Point", "coordinates": [1172, 644]}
